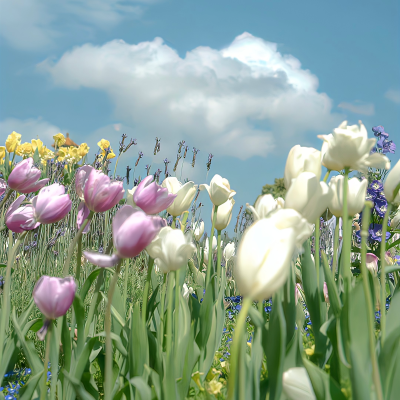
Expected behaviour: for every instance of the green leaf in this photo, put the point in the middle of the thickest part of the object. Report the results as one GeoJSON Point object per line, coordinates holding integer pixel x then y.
{"type": "Point", "coordinates": [80, 323]}
{"type": "Point", "coordinates": [84, 358]}
{"type": "Point", "coordinates": [88, 283]}
{"type": "Point", "coordinates": [66, 342]}
{"type": "Point", "coordinates": [142, 387]}
{"type": "Point", "coordinates": [26, 392]}
{"type": "Point", "coordinates": [332, 289]}
{"type": "Point", "coordinates": [152, 304]}
{"type": "Point", "coordinates": [11, 350]}
{"type": "Point", "coordinates": [78, 387]}
{"type": "Point", "coordinates": [117, 341]}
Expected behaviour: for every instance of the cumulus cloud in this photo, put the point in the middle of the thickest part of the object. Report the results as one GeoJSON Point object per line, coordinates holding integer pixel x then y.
{"type": "Point", "coordinates": [234, 101]}
{"type": "Point", "coordinates": [393, 95]}
{"type": "Point", "coordinates": [38, 24]}
{"type": "Point", "coordinates": [358, 107]}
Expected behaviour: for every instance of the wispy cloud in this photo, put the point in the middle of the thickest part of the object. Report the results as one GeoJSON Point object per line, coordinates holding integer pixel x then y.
{"type": "Point", "coordinates": [358, 107]}
{"type": "Point", "coordinates": [393, 95]}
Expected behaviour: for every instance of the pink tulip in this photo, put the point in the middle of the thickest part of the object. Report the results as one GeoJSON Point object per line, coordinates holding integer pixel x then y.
{"type": "Point", "coordinates": [24, 177]}
{"type": "Point", "coordinates": [152, 198]}
{"type": "Point", "coordinates": [81, 178]}
{"type": "Point", "coordinates": [51, 204]}
{"type": "Point", "coordinates": [133, 231]}
{"type": "Point", "coordinates": [101, 193]}
{"type": "Point", "coordinates": [326, 295]}
{"type": "Point", "coordinates": [54, 297]}
{"type": "Point", "coordinates": [83, 213]}
{"type": "Point", "coordinates": [19, 219]}
{"type": "Point", "coordinates": [372, 262]}
{"type": "Point", "coordinates": [3, 186]}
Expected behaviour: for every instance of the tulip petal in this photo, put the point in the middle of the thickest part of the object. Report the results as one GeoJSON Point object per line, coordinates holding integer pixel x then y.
{"type": "Point", "coordinates": [101, 260]}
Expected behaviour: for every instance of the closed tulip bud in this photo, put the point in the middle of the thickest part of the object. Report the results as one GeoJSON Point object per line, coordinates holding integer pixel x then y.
{"type": "Point", "coordinates": [372, 263]}
{"type": "Point", "coordinates": [391, 186]}
{"type": "Point", "coordinates": [198, 229]}
{"type": "Point", "coordinates": [152, 198]}
{"type": "Point", "coordinates": [184, 195]}
{"type": "Point", "coordinates": [264, 205]}
{"type": "Point", "coordinates": [224, 215]}
{"type": "Point", "coordinates": [308, 196]}
{"type": "Point", "coordinates": [19, 219]}
{"type": "Point", "coordinates": [296, 384]}
{"type": "Point", "coordinates": [302, 159]}
{"type": "Point", "coordinates": [219, 190]}
{"type": "Point", "coordinates": [229, 251]}
{"type": "Point", "coordinates": [263, 260]}
{"type": "Point", "coordinates": [51, 204]}
{"type": "Point", "coordinates": [3, 186]}
{"type": "Point", "coordinates": [172, 249]}
{"type": "Point", "coordinates": [349, 147]}
{"type": "Point", "coordinates": [355, 195]}
{"type": "Point", "coordinates": [133, 231]}
{"type": "Point", "coordinates": [101, 193]}
{"type": "Point", "coordinates": [81, 178]}
{"type": "Point", "coordinates": [24, 177]}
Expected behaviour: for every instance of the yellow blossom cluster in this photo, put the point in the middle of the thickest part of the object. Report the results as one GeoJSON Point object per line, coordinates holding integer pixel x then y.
{"type": "Point", "coordinates": [104, 145]}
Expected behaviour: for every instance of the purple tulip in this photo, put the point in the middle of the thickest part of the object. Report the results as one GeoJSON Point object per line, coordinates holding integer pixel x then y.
{"type": "Point", "coordinates": [101, 193]}
{"type": "Point", "coordinates": [24, 177]}
{"type": "Point", "coordinates": [133, 231]}
{"type": "Point", "coordinates": [83, 213]}
{"type": "Point", "coordinates": [81, 177]}
{"type": "Point", "coordinates": [51, 204]}
{"type": "Point", "coordinates": [3, 186]}
{"type": "Point", "coordinates": [19, 219]}
{"type": "Point", "coordinates": [54, 297]}
{"type": "Point", "coordinates": [151, 197]}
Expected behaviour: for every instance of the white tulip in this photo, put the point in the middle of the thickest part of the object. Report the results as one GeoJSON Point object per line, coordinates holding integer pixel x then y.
{"type": "Point", "coordinates": [302, 159]}
{"type": "Point", "coordinates": [395, 222]}
{"type": "Point", "coordinates": [224, 215]}
{"type": "Point", "coordinates": [391, 186]}
{"type": "Point", "coordinates": [185, 195]}
{"type": "Point", "coordinates": [219, 190]}
{"type": "Point", "coordinates": [206, 248]}
{"type": "Point", "coordinates": [263, 260]}
{"type": "Point", "coordinates": [198, 229]}
{"type": "Point", "coordinates": [349, 147]}
{"type": "Point", "coordinates": [355, 195]}
{"type": "Point", "coordinates": [280, 203]}
{"type": "Point", "coordinates": [264, 205]}
{"type": "Point", "coordinates": [186, 291]}
{"type": "Point", "coordinates": [308, 196]}
{"type": "Point", "coordinates": [296, 384]}
{"type": "Point", "coordinates": [172, 249]}
{"type": "Point", "coordinates": [129, 197]}
{"type": "Point", "coordinates": [229, 251]}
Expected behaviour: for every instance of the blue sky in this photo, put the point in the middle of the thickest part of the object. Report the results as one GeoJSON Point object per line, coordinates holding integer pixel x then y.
{"type": "Point", "coordinates": [243, 80]}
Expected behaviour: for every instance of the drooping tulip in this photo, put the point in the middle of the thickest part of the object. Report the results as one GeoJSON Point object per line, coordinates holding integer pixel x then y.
{"type": "Point", "coordinates": [224, 215]}
{"type": "Point", "coordinates": [229, 251]}
{"type": "Point", "coordinates": [24, 177]}
{"type": "Point", "coordinates": [219, 190]}
{"type": "Point", "coordinates": [172, 249]}
{"type": "Point", "coordinates": [151, 197]}
{"type": "Point", "coordinates": [264, 205]}
{"type": "Point", "coordinates": [263, 259]}
{"type": "Point", "coordinates": [198, 229]}
{"type": "Point", "coordinates": [3, 186]}
{"type": "Point", "coordinates": [308, 196]}
{"type": "Point", "coordinates": [133, 231]}
{"type": "Point", "coordinates": [296, 384]}
{"type": "Point", "coordinates": [19, 219]}
{"type": "Point", "coordinates": [184, 195]}
{"type": "Point", "coordinates": [302, 159]}
{"type": "Point", "coordinates": [101, 193]}
{"type": "Point", "coordinates": [349, 147]}
{"type": "Point", "coordinates": [355, 195]}
{"type": "Point", "coordinates": [391, 186]}
{"type": "Point", "coordinates": [372, 263]}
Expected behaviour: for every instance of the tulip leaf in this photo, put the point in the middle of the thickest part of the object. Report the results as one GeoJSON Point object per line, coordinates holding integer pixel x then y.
{"type": "Point", "coordinates": [66, 342]}
{"type": "Point", "coordinates": [80, 322]}
{"type": "Point", "coordinates": [142, 387]}
{"type": "Point", "coordinates": [84, 357]}
{"type": "Point", "coordinates": [78, 387]}
{"type": "Point", "coordinates": [289, 305]}
{"type": "Point", "coordinates": [152, 303]}
{"type": "Point", "coordinates": [88, 283]}
{"type": "Point", "coordinates": [332, 289]}
{"type": "Point", "coordinates": [11, 351]}
{"type": "Point", "coordinates": [255, 317]}
{"type": "Point", "coordinates": [26, 392]}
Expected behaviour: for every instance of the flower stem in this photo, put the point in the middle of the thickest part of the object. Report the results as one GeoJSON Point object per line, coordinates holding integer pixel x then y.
{"type": "Point", "coordinates": [383, 275]}
{"type": "Point", "coordinates": [368, 299]}
{"type": "Point", "coordinates": [327, 175]}
{"type": "Point", "coordinates": [335, 248]}
{"type": "Point", "coordinates": [237, 338]}
{"type": "Point", "coordinates": [210, 240]}
{"type": "Point", "coordinates": [93, 304]}
{"type": "Point", "coordinates": [126, 276]}
{"type": "Point", "coordinates": [218, 256]}
{"type": "Point", "coordinates": [317, 249]}
{"type": "Point", "coordinates": [146, 289]}
{"type": "Point", "coordinates": [346, 260]}
{"type": "Point", "coordinates": [177, 304]}
{"type": "Point", "coordinates": [108, 384]}
{"type": "Point", "coordinates": [43, 392]}
{"type": "Point", "coordinates": [171, 276]}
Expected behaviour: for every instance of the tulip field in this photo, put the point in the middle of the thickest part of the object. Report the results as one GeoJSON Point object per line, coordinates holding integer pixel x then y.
{"type": "Point", "coordinates": [120, 294]}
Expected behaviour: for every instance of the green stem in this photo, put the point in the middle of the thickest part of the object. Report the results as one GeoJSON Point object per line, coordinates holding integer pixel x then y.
{"type": "Point", "coordinates": [345, 259]}
{"type": "Point", "coordinates": [327, 175]}
{"type": "Point", "coordinates": [5, 312]}
{"type": "Point", "coordinates": [162, 305]}
{"type": "Point", "coordinates": [210, 240]}
{"type": "Point", "coordinates": [108, 384]}
{"type": "Point", "coordinates": [73, 243]}
{"type": "Point", "coordinates": [116, 164]}
{"type": "Point", "coordinates": [79, 260]}
{"type": "Point", "coordinates": [368, 299]}
{"type": "Point", "coordinates": [146, 289]}
{"type": "Point", "coordinates": [126, 276]}
{"type": "Point", "coordinates": [177, 303]}
{"type": "Point", "coordinates": [5, 198]}
{"type": "Point", "coordinates": [383, 275]}
{"type": "Point", "coordinates": [169, 312]}
{"type": "Point", "coordinates": [43, 392]}
{"type": "Point", "coordinates": [335, 248]}
{"type": "Point", "coordinates": [219, 254]}
{"type": "Point", "coordinates": [184, 220]}
{"type": "Point", "coordinates": [173, 225]}
{"type": "Point", "coordinates": [317, 249]}
{"type": "Point", "coordinates": [237, 338]}
{"type": "Point", "coordinates": [93, 304]}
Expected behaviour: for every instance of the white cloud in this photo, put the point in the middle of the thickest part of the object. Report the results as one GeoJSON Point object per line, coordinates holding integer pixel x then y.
{"type": "Point", "coordinates": [393, 95]}
{"type": "Point", "coordinates": [358, 107]}
{"type": "Point", "coordinates": [233, 101]}
{"type": "Point", "coordinates": [38, 24]}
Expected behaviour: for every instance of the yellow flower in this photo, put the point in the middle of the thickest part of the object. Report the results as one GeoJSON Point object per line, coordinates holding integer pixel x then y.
{"type": "Point", "coordinates": [103, 144]}
{"type": "Point", "coordinates": [24, 150]}
{"type": "Point", "coordinates": [214, 387]}
{"type": "Point", "coordinates": [13, 141]}
{"type": "Point", "coordinates": [62, 152]}
{"type": "Point", "coordinates": [110, 155]}
{"type": "Point", "coordinates": [2, 154]}
{"type": "Point", "coordinates": [37, 144]}
{"type": "Point", "coordinates": [83, 149]}
{"type": "Point", "coordinates": [59, 139]}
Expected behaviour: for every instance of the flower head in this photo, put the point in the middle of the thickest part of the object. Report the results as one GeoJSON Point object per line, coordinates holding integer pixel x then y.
{"type": "Point", "coordinates": [219, 190]}
{"type": "Point", "coordinates": [59, 140]}
{"type": "Point", "coordinates": [184, 195]}
{"type": "Point", "coordinates": [13, 141]}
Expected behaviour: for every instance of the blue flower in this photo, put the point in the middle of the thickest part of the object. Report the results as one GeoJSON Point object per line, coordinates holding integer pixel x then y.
{"type": "Point", "coordinates": [376, 186]}
{"type": "Point", "coordinates": [371, 195]}
{"type": "Point", "coordinates": [375, 232]}
{"type": "Point", "coordinates": [381, 206]}
{"type": "Point", "coordinates": [387, 146]}
{"type": "Point", "coordinates": [379, 131]}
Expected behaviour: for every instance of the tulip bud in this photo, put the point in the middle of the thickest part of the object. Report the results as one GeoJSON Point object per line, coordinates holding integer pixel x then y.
{"type": "Point", "coordinates": [229, 251]}
{"type": "Point", "coordinates": [19, 219]}
{"type": "Point", "coordinates": [219, 190]}
{"type": "Point", "coordinates": [264, 205]}
{"type": "Point", "coordinates": [24, 177]}
{"type": "Point", "coordinates": [184, 195]}
{"type": "Point", "coordinates": [224, 215]}
{"type": "Point", "coordinates": [356, 193]}
{"type": "Point", "coordinates": [372, 263]}
{"type": "Point", "coordinates": [296, 384]}
{"type": "Point", "coordinates": [392, 184]}
{"type": "Point", "coordinates": [198, 229]}
{"type": "Point", "coordinates": [302, 159]}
